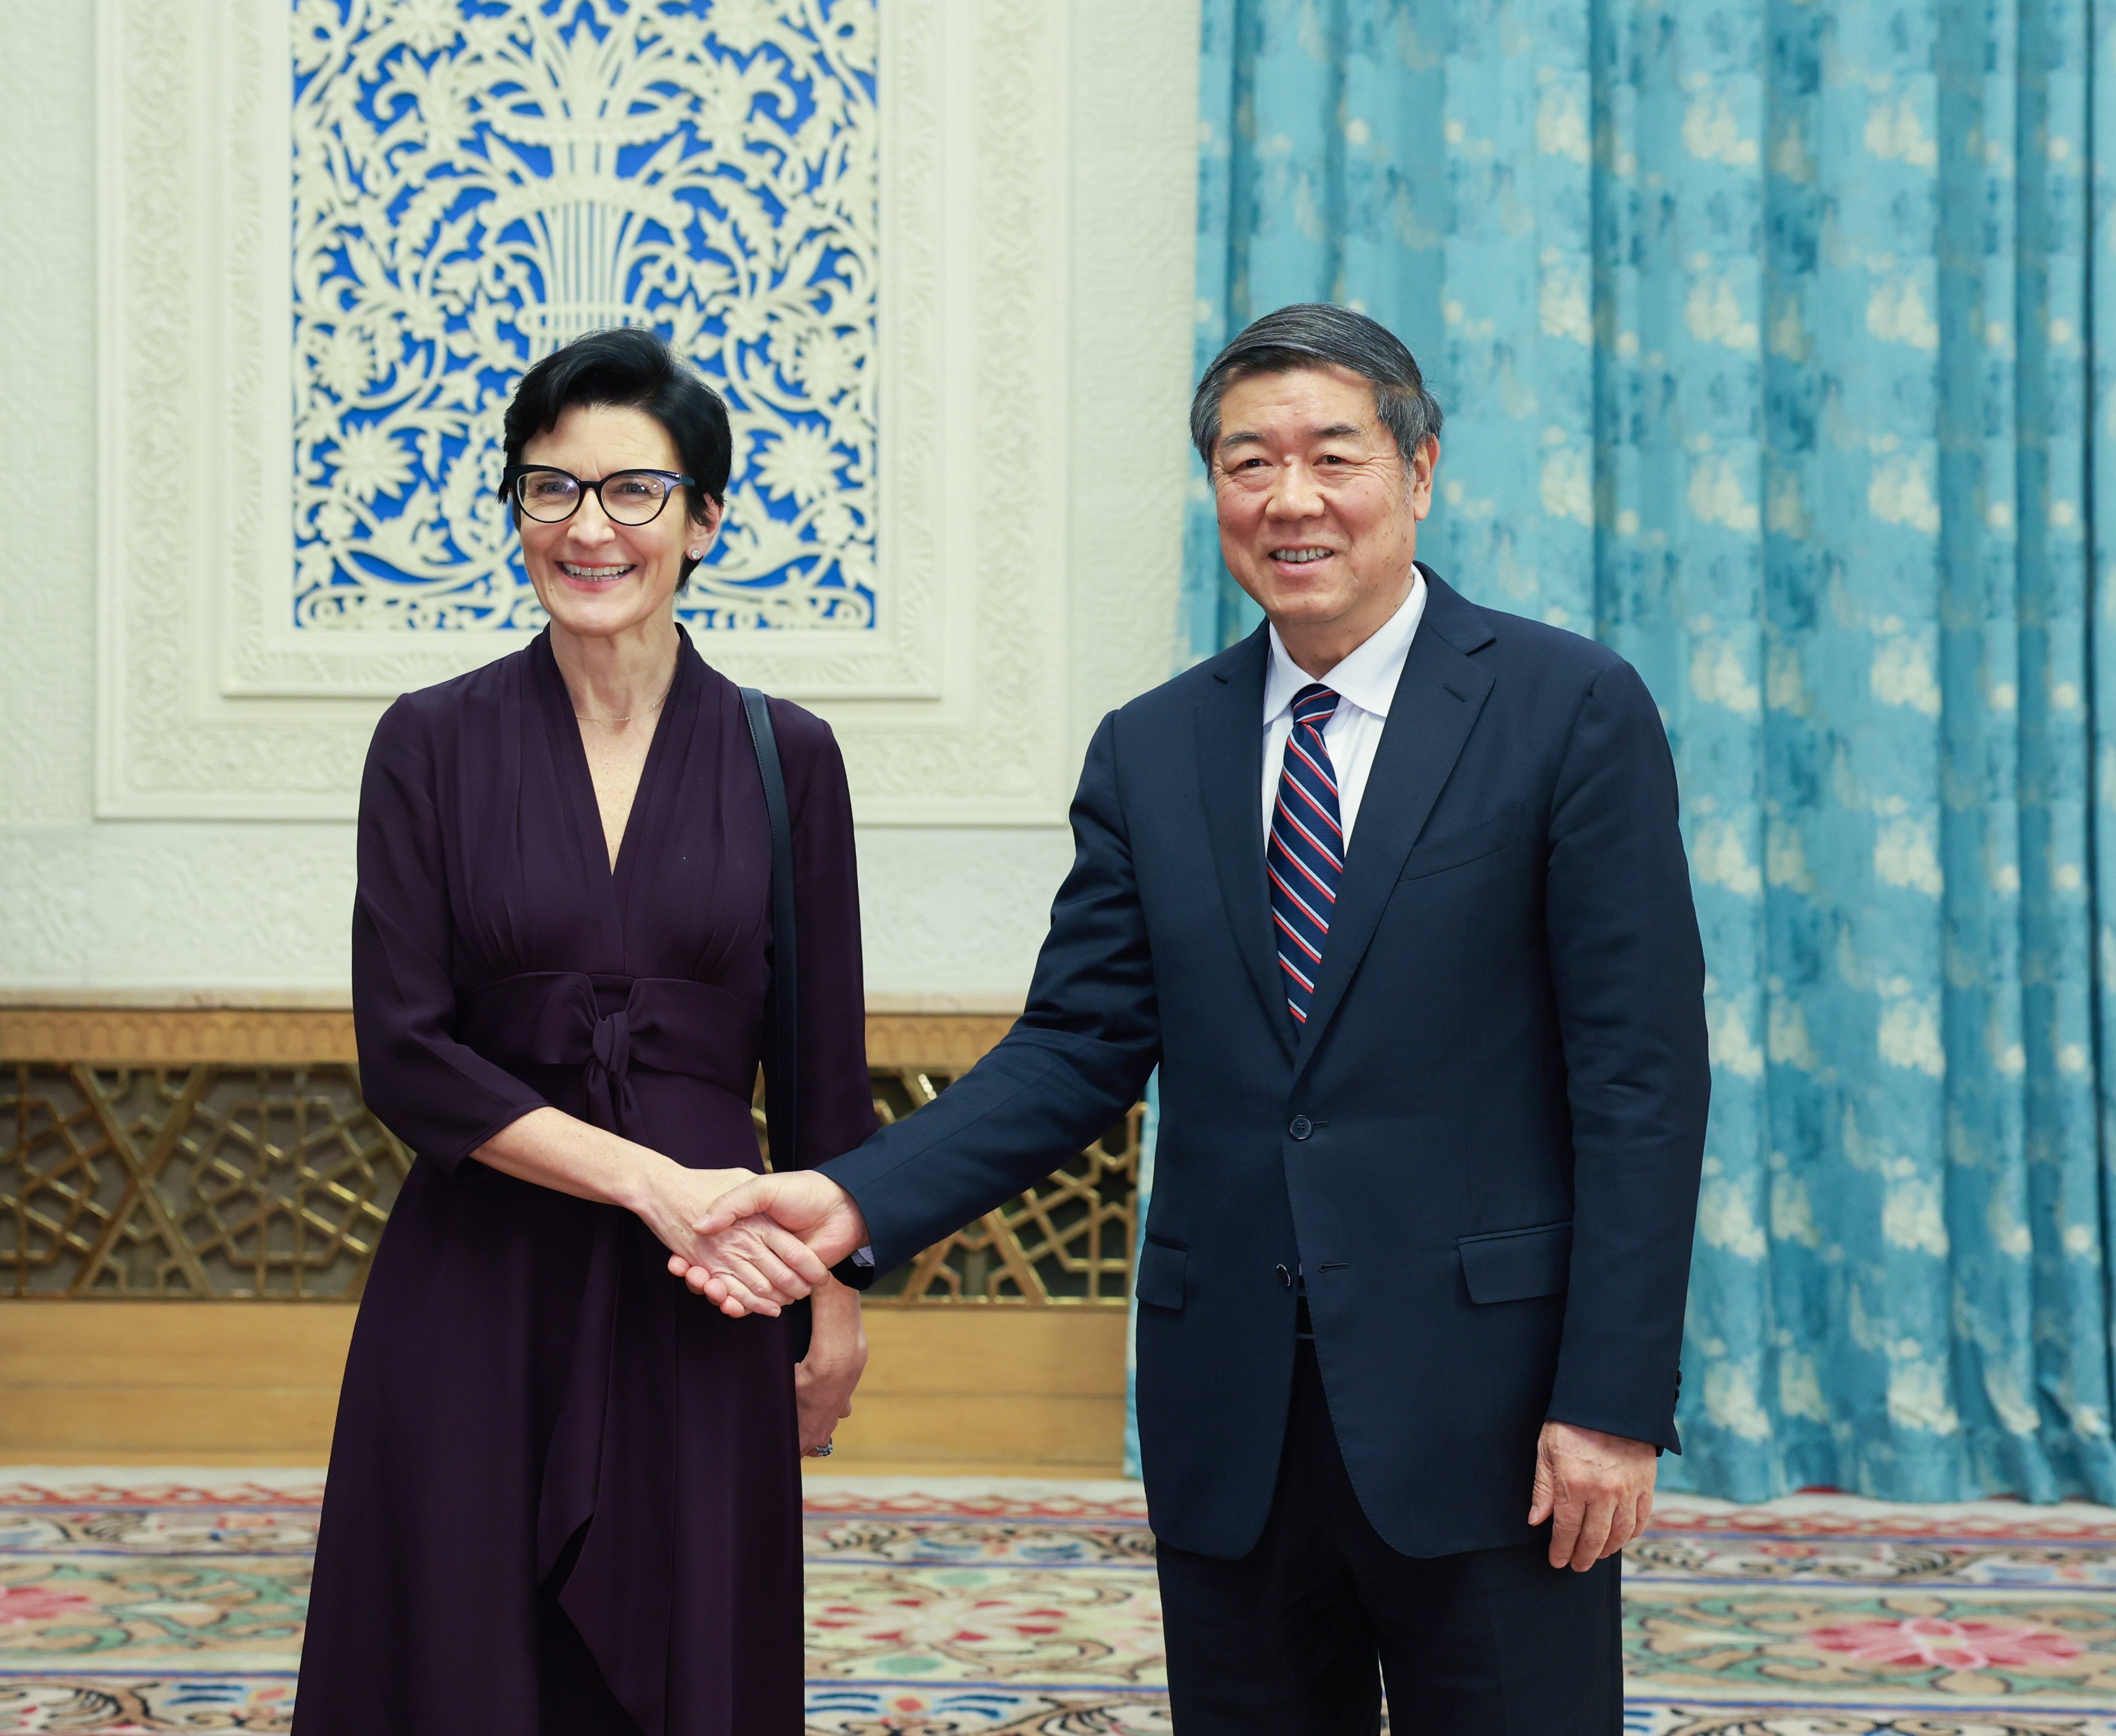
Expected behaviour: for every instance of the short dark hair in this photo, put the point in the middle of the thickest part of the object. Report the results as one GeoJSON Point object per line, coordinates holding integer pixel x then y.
{"type": "Point", "coordinates": [627, 367]}
{"type": "Point", "coordinates": [1316, 335]}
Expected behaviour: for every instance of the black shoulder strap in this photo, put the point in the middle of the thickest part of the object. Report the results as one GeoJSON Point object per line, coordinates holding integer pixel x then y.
{"type": "Point", "coordinates": [782, 1088]}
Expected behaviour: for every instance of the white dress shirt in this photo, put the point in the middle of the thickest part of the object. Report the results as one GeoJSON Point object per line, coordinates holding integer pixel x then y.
{"type": "Point", "coordinates": [1365, 685]}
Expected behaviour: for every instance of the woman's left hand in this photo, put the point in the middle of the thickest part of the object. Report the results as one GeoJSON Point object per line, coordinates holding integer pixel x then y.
{"type": "Point", "coordinates": [824, 1380]}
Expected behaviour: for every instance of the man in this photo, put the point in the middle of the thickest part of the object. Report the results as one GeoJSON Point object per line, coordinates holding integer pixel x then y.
{"type": "Point", "coordinates": [1393, 893]}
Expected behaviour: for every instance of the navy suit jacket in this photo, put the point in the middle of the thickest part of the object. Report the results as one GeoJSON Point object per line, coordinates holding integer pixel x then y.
{"type": "Point", "coordinates": [1482, 1148]}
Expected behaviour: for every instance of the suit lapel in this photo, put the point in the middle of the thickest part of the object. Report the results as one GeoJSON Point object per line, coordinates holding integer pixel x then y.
{"type": "Point", "coordinates": [1231, 784]}
{"type": "Point", "coordinates": [1437, 699]}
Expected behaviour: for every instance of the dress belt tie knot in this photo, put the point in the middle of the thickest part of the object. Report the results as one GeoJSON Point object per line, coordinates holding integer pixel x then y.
{"type": "Point", "coordinates": [608, 1074]}
{"type": "Point", "coordinates": [566, 1019]}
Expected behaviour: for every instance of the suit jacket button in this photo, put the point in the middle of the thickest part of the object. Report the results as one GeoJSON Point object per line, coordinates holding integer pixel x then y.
{"type": "Point", "coordinates": [1284, 1277]}
{"type": "Point", "coordinates": [1301, 1127]}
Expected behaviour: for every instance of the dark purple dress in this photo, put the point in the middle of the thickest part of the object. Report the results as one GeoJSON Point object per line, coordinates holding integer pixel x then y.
{"type": "Point", "coordinates": [564, 1492]}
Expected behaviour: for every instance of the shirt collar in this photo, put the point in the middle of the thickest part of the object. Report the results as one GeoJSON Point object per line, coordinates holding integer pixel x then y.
{"type": "Point", "coordinates": [1368, 678]}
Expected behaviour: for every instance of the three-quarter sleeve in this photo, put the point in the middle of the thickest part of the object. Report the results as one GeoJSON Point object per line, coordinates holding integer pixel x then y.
{"type": "Point", "coordinates": [439, 1097]}
{"type": "Point", "coordinates": [837, 1103]}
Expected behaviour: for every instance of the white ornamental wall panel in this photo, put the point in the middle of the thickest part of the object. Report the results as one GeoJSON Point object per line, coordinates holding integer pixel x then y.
{"type": "Point", "coordinates": [856, 231]}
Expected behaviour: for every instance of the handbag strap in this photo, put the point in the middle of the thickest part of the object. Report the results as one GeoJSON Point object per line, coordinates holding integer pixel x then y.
{"type": "Point", "coordinates": [782, 1088]}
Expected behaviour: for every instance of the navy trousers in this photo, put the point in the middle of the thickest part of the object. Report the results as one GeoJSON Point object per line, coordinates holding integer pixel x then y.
{"type": "Point", "coordinates": [1298, 1638]}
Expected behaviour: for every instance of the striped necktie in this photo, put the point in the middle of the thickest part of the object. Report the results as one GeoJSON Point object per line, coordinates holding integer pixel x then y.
{"type": "Point", "coordinates": [1305, 855]}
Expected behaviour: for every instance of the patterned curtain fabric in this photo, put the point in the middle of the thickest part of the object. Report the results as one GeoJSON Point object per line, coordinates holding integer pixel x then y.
{"type": "Point", "coordinates": [1766, 336]}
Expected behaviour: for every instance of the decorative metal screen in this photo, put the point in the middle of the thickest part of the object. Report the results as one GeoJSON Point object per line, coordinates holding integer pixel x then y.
{"type": "Point", "coordinates": [1067, 1240]}
{"type": "Point", "coordinates": [274, 1181]}
{"type": "Point", "coordinates": [474, 184]}
{"type": "Point", "coordinates": [194, 1181]}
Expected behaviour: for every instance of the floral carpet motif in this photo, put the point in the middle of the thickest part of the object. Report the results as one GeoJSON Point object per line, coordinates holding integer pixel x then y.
{"type": "Point", "coordinates": [134, 1602]}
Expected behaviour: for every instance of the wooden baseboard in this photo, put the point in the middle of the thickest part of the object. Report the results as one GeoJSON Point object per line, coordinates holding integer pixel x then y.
{"type": "Point", "coordinates": [1039, 1389]}
{"type": "Point", "coordinates": [1036, 1391]}
{"type": "Point", "coordinates": [86, 1381]}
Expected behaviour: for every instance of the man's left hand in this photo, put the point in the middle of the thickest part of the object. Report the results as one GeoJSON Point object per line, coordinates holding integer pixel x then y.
{"type": "Point", "coordinates": [1596, 1489]}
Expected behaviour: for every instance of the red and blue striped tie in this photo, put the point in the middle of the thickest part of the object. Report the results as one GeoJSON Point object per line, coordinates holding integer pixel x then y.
{"type": "Point", "coordinates": [1305, 857]}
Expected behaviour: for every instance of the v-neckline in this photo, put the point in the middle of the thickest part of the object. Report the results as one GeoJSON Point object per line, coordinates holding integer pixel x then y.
{"type": "Point", "coordinates": [587, 807]}
{"type": "Point", "coordinates": [623, 855]}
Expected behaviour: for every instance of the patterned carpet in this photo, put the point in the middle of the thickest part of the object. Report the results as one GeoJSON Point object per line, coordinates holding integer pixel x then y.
{"type": "Point", "coordinates": [134, 1601]}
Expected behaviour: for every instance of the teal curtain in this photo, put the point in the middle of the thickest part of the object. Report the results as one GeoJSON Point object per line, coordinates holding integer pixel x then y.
{"type": "Point", "coordinates": [1767, 337]}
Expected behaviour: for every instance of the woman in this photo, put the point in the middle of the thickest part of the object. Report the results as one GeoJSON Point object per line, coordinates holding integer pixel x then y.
{"type": "Point", "coordinates": [564, 1493]}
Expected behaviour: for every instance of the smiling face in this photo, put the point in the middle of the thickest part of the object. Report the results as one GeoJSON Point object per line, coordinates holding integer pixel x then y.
{"type": "Point", "coordinates": [596, 579]}
{"type": "Point", "coordinates": [1318, 513]}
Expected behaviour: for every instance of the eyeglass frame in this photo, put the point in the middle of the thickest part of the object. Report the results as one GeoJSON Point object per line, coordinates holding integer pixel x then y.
{"type": "Point", "coordinates": [513, 474]}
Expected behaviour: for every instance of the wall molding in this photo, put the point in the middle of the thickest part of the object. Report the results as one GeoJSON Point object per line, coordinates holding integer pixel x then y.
{"type": "Point", "coordinates": [208, 708]}
{"type": "Point", "coordinates": [118, 1035]}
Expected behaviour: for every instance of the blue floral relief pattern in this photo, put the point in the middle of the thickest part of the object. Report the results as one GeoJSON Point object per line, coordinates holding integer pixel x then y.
{"type": "Point", "coordinates": [475, 183]}
{"type": "Point", "coordinates": [1764, 334]}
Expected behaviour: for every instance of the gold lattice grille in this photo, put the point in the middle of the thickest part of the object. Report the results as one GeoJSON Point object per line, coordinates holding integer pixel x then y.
{"type": "Point", "coordinates": [1067, 1240]}
{"type": "Point", "coordinates": [275, 1180]}
{"type": "Point", "coordinates": [194, 1181]}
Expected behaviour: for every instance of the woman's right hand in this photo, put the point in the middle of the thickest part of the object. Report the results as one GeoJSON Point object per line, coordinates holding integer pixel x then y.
{"type": "Point", "coordinates": [764, 1267]}
{"type": "Point", "coordinates": [761, 1268]}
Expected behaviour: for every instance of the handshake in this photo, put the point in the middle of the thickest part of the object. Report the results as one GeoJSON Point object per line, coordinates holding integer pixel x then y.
{"type": "Point", "coordinates": [768, 1241]}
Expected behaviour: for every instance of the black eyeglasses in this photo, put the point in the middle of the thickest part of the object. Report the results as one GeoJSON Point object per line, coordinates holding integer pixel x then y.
{"type": "Point", "coordinates": [551, 496]}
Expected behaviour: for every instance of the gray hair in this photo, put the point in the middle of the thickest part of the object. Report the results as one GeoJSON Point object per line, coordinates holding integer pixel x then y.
{"type": "Point", "coordinates": [1310, 334]}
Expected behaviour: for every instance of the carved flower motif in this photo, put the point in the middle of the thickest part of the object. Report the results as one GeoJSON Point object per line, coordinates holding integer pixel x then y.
{"type": "Point", "coordinates": [371, 462]}
{"type": "Point", "coordinates": [345, 361]}
{"type": "Point", "coordinates": [743, 24]}
{"type": "Point", "coordinates": [826, 365]}
{"type": "Point", "coordinates": [428, 25]}
{"type": "Point", "coordinates": [802, 462]}
{"type": "Point", "coordinates": [1927, 1642]}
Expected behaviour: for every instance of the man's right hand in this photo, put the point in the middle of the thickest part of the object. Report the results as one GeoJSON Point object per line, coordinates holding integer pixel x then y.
{"type": "Point", "coordinates": [809, 1204]}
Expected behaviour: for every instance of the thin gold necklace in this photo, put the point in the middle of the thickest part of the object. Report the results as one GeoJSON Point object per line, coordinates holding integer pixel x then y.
{"type": "Point", "coordinates": [630, 716]}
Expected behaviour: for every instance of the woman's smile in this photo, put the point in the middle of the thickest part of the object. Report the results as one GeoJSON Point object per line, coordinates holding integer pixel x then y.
{"type": "Point", "coordinates": [597, 578]}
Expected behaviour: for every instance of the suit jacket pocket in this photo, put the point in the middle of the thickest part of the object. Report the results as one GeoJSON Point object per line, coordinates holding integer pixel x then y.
{"type": "Point", "coordinates": [1511, 1265]}
{"type": "Point", "coordinates": [1452, 849]}
{"type": "Point", "coordinates": [1160, 1282]}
